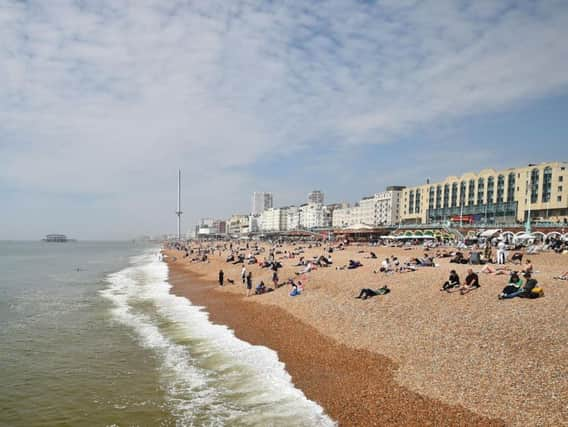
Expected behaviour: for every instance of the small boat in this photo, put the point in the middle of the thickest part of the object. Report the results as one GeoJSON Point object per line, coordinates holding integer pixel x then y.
{"type": "Point", "coordinates": [57, 238]}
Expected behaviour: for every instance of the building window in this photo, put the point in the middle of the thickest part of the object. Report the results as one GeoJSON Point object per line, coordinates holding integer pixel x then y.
{"type": "Point", "coordinates": [560, 189]}
{"type": "Point", "coordinates": [446, 195]}
{"type": "Point", "coordinates": [454, 194]}
{"type": "Point", "coordinates": [511, 188]}
{"type": "Point", "coordinates": [480, 190]}
{"type": "Point", "coordinates": [500, 189]}
{"type": "Point", "coordinates": [417, 203]}
{"type": "Point", "coordinates": [534, 185]}
{"type": "Point", "coordinates": [438, 197]}
{"type": "Point", "coordinates": [547, 184]}
{"type": "Point", "coordinates": [560, 178]}
{"type": "Point", "coordinates": [471, 192]}
{"type": "Point", "coordinates": [559, 198]}
{"type": "Point", "coordinates": [490, 189]}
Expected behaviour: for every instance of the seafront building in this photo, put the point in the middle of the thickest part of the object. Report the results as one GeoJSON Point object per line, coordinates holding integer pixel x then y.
{"type": "Point", "coordinates": [314, 215]}
{"type": "Point", "coordinates": [237, 224]}
{"type": "Point", "coordinates": [260, 202]}
{"type": "Point", "coordinates": [379, 209]}
{"type": "Point", "coordinates": [274, 219]}
{"type": "Point", "coordinates": [293, 218]}
{"type": "Point", "coordinates": [316, 196]}
{"type": "Point", "coordinates": [491, 197]}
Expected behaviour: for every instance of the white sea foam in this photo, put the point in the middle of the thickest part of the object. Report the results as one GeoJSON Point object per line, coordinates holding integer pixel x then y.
{"type": "Point", "coordinates": [210, 376]}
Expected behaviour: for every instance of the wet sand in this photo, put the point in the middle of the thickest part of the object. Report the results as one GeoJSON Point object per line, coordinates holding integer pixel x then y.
{"type": "Point", "coordinates": [356, 387]}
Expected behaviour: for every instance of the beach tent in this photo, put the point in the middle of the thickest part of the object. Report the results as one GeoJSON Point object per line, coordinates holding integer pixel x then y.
{"type": "Point", "coordinates": [490, 233]}
{"type": "Point", "coordinates": [361, 226]}
{"type": "Point", "coordinates": [524, 236]}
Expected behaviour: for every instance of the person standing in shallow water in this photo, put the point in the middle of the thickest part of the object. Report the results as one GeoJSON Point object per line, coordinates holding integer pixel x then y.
{"type": "Point", "coordinates": [221, 277]}
{"type": "Point", "coordinates": [249, 283]}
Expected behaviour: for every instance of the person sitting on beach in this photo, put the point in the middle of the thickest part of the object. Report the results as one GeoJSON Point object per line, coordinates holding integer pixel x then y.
{"type": "Point", "coordinates": [515, 280]}
{"type": "Point", "coordinates": [528, 267]}
{"type": "Point", "coordinates": [295, 291]}
{"type": "Point", "coordinates": [525, 291]}
{"type": "Point", "coordinates": [261, 289]}
{"type": "Point", "coordinates": [427, 261]}
{"type": "Point", "coordinates": [517, 258]}
{"type": "Point", "coordinates": [385, 266]}
{"type": "Point", "coordinates": [230, 258]}
{"type": "Point", "coordinates": [301, 262]}
{"type": "Point", "coordinates": [372, 255]}
{"type": "Point", "coordinates": [453, 281]}
{"type": "Point", "coordinates": [475, 257]}
{"type": "Point", "coordinates": [471, 282]}
{"type": "Point", "coordinates": [368, 292]}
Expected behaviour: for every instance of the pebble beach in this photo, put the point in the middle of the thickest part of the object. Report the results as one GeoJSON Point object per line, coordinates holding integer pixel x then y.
{"type": "Point", "coordinates": [416, 356]}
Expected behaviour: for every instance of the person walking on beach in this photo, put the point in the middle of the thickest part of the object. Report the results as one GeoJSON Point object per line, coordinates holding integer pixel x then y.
{"type": "Point", "coordinates": [501, 253]}
{"type": "Point", "coordinates": [249, 283]}
{"type": "Point", "coordinates": [243, 274]}
{"type": "Point", "coordinates": [221, 277]}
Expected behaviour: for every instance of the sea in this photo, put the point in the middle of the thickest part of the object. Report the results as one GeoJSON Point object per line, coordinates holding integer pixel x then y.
{"type": "Point", "coordinates": [91, 336]}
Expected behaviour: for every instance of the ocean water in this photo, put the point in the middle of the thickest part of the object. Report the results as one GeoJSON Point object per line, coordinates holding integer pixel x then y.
{"type": "Point", "coordinates": [91, 336]}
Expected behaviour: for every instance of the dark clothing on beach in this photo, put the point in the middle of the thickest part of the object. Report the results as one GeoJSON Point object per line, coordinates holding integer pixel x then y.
{"type": "Point", "coordinates": [453, 281]}
{"type": "Point", "coordinates": [472, 280]}
{"type": "Point", "coordinates": [221, 277]}
{"type": "Point", "coordinates": [249, 281]}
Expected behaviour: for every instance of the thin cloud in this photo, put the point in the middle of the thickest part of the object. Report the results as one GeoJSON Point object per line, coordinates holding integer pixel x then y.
{"type": "Point", "coordinates": [103, 96]}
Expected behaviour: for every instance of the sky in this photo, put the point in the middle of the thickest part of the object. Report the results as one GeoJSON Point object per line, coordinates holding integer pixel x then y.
{"type": "Point", "coordinates": [101, 101]}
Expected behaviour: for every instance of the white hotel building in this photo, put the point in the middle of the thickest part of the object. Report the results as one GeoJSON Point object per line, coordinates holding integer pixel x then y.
{"type": "Point", "coordinates": [380, 209]}
{"type": "Point", "coordinates": [274, 219]}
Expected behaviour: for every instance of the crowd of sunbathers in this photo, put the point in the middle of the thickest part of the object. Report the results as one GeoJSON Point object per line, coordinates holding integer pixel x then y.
{"type": "Point", "coordinates": [521, 283]}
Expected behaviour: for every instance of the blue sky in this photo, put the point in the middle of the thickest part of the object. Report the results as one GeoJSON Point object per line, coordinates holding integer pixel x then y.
{"type": "Point", "coordinates": [101, 102]}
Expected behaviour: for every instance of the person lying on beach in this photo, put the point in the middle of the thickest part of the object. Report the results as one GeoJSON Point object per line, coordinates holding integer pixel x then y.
{"type": "Point", "coordinates": [368, 292]}
{"type": "Point", "coordinates": [406, 268]}
{"type": "Point", "coordinates": [307, 269]}
{"type": "Point", "coordinates": [563, 276]}
{"type": "Point", "coordinates": [301, 262]}
{"type": "Point", "coordinates": [458, 258]}
{"type": "Point", "coordinates": [239, 260]}
{"type": "Point", "coordinates": [498, 271]}
{"type": "Point", "coordinates": [353, 264]}
{"type": "Point", "coordinates": [427, 261]}
{"type": "Point", "coordinates": [322, 261]}
{"type": "Point", "coordinates": [230, 258]}
{"type": "Point", "coordinates": [453, 281]}
{"type": "Point", "coordinates": [525, 291]}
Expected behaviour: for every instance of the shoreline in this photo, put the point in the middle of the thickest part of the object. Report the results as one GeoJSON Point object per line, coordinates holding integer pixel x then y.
{"type": "Point", "coordinates": [356, 387]}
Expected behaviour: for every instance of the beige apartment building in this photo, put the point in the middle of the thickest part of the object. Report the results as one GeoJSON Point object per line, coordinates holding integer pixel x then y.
{"type": "Point", "coordinates": [491, 197]}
